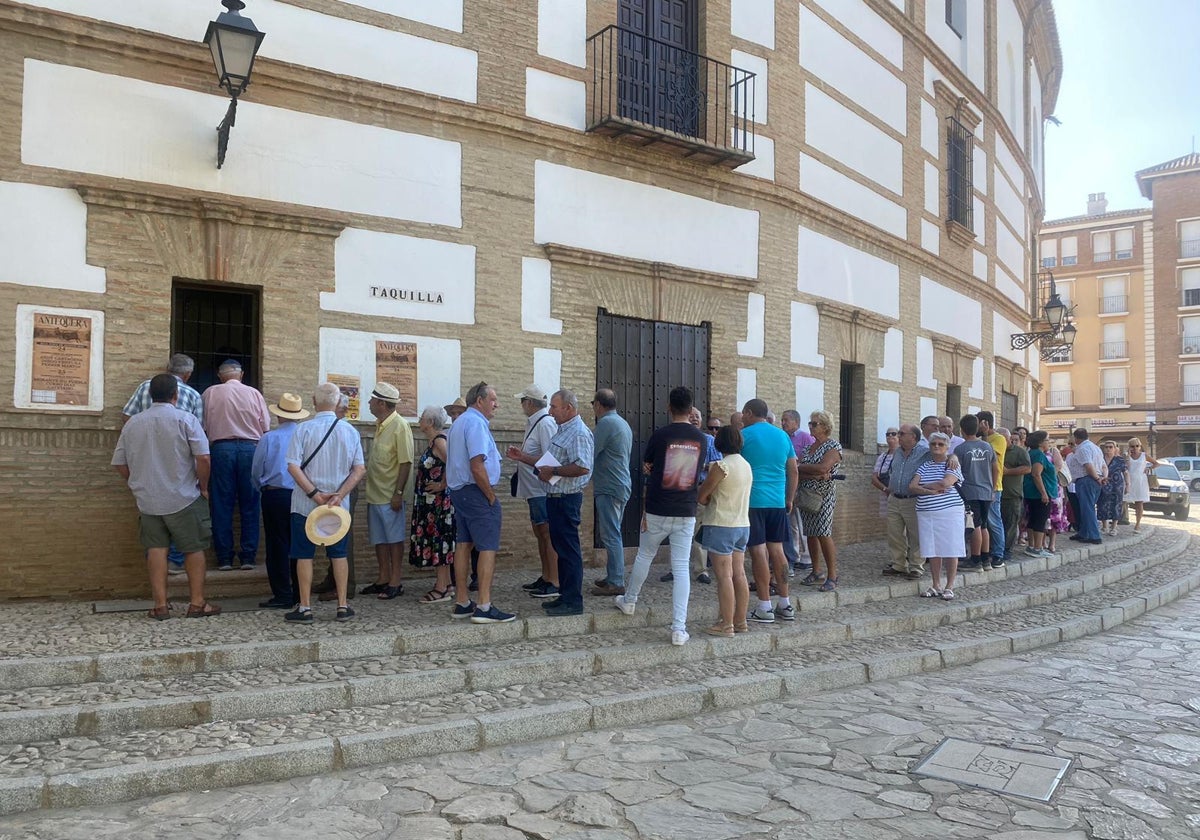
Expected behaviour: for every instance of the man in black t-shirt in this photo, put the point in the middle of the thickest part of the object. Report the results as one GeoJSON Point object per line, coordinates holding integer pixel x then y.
{"type": "Point", "coordinates": [674, 457]}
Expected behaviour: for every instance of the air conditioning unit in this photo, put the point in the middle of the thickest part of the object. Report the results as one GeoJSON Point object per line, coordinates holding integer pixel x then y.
{"type": "Point", "coordinates": [1191, 349]}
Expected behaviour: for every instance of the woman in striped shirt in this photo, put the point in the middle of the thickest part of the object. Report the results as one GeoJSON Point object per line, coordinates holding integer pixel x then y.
{"type": "Point", "coordinates": [940, 514]}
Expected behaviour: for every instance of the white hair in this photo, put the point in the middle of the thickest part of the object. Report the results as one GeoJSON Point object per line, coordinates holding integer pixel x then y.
{"type": "Point", "coordinates": [435, 416]}
{"type": "Point", "coordinates": [326, 396]}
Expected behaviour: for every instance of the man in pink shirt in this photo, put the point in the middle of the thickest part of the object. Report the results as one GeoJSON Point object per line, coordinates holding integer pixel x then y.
{"type": "Point", "coordinates": [235, 417]}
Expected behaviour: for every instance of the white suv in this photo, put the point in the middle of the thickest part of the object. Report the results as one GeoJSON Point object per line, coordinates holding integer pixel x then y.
{"type": "Point", "coordinates": [1189, 470]}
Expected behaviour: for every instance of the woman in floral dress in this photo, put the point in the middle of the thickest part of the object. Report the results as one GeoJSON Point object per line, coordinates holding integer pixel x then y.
{"type": "Point", "coordinates": [432, 542]}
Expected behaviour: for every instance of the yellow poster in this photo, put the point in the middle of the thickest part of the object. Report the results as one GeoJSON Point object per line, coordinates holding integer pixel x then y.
{"type": "Point", "coordinates": [61, 361]}
{"type": "Point", "coordinates": [396, 364]}
{"type": "Point", "coordinates": [350, 386]}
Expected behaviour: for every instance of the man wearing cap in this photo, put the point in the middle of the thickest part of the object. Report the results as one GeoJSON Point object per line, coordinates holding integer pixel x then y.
{"type": "Point", "coordinates": [472, 472]}
{"type": "Point", "coordinates": [571, 449]}
{"type": "Point", "coordinates": [325, 459]}
{"type": "Point", "coordinates": [539, 429]}
{"type": "Point", "coordinates": [388, 467]}
{"type": "Point", "coordinates": [164, 456]}
{"type": "Point", "coordinates": [235, 417]}
{"type": "Point", "coordinates": [269, 473]}
{"type": "Point", "coordinates": [611, 487]}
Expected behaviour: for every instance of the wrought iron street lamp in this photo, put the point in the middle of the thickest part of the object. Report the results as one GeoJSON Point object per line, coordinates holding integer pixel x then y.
{"type": "Point", "coordinates": [234, 42]}
{"type": "Point", "coordinates": [1062, 331]}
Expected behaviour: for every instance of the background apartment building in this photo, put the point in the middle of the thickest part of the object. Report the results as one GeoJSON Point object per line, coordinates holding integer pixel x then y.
{"type": "Point", "coordinates": [1133, 277]}
{"type": "Point", "coordinates": [828, 204]}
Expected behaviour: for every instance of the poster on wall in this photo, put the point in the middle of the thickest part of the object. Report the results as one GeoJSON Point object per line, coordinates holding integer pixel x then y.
{"type": "Point", "coordinates": [60, 372]}
{"type": "Point", "coordinates": [396, 364]}
{"type": "Point", "coordinates": [350, 386]}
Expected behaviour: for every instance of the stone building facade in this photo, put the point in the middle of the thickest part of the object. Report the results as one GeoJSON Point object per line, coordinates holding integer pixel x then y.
{"type": "Point", "coordinates": [846, 229]}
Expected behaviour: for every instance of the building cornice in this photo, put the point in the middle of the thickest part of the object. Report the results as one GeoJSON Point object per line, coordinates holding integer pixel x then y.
{"type": "Point", "coordinates": [570, 255]}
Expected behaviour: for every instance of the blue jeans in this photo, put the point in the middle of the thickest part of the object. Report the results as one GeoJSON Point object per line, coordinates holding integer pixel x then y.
{"type": "Point", "coordinates": [995, 526]}
{"type": "Point", "coordinates": [230, 485]}
{"type": "Point", "coordinates": [564, 513]}
{"type": "Point", "coordinates": [609, 510]}
{"type": "Point", "coordinates": [1088, 490]}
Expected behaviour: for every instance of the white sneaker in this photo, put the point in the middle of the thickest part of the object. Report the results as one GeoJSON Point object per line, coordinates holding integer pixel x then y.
{"type": "Point", "coordinates": [679, 637]}
{"type": "Point", "coordinates": [761, 617]}
{"type": "Point", "coordinates": [624, 606]}
{"type": "Point", "coordinates": [787, 613]}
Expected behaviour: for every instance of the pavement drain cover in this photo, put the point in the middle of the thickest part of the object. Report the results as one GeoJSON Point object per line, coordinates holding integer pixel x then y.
{"type": "Point", "coordinates": [1015, 772]}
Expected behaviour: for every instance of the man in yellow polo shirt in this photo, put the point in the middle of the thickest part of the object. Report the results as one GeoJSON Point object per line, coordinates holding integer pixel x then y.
{"type": "Point", "coordinates": [388, 468]}
{"type": "Point", "coordinates": [995, 523]}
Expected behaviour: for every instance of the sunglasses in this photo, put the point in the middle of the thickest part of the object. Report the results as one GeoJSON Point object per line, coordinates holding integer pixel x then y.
{"type": "Point", "coordinates": [891, 434]}
{"type": "Point", "coordinates": [939, 443]}
{"type": "Point", "coordinates": [714, 428]}
{"type": "Point", "coordinates": [812, 423]}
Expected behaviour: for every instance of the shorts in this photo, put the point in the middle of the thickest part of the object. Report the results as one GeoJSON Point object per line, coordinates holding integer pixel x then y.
{"type": "Point", "coordinates": [303, 549]}
{"type": "Point", "coordinates": [768, 525]}
{"type": "Point", "coordinates": [475, 521]}
{"type": "Point", "coordinates": [188, 530]}
{"type": "Point", "coordinates": [1039, 514]}
{"type": "Point", "coordinates": [725, 540]}
{"type": "Point", "coordinates": [386, 526]}
{"type": "Point", "coordinates": [979, 509]}
{"type": "Point", "coordinates": [537, 510]}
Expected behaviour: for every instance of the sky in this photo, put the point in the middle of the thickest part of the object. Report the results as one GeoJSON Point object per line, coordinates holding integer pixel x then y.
{"type": "Point", "coordinates": [1130, 98]}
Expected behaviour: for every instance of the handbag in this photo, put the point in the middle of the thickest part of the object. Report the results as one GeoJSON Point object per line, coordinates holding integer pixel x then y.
{"type": "Point", "coordinates": [810, 500]}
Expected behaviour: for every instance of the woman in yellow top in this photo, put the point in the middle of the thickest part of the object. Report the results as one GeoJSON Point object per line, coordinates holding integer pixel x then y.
{"type": "Point", "coordinates": [726, 493]}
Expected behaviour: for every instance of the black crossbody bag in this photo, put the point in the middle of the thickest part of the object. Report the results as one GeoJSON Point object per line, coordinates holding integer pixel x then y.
{"type": "Point", "coordinates": [512, 482]}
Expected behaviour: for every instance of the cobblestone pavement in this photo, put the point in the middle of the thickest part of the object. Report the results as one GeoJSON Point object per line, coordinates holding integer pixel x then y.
{"type": "Point", "coordinates": [1124, 706]}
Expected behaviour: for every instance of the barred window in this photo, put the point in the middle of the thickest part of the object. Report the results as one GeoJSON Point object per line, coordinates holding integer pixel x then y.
{"type": "Point", "coordinates": [959, 147]}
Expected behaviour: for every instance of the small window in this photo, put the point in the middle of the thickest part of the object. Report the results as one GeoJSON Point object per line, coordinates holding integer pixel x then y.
{"type": "Point", "coordinates": [1049, 253]}
{"type": "Point", "coordinates": [1189, 280]}
{"type": "Point", "coordinates": [1189, 239]}
{"type": "Point", "coordinates": [1102, 246]}
{"type": "Point", "coordinates": [956, 17]}
{"type": "Point", "coordinates": [851, 405]}
{"type": "Point", "coordinates": [1008, 410]}
{"type": "Point", "coordinates": [1070, 251]}
{"type": "Point", "coordinates": [959, 150]}
{"type": "Point", "coordinates": [954, 402]}
{"type": "Point", "coordinates": [1123, 242]}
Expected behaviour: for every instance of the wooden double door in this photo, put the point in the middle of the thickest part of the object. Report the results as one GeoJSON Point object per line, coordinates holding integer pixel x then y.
{"type": "Point", "coordinates": [658, 65]}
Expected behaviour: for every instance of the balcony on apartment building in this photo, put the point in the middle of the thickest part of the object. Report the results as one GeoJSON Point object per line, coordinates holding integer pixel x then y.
{"type": "Point", "coordinates": [1060, 399]}
{"type": "Point", "coordinates": [1111, 351]}
{"type": "Point", "coordinates": [1114, 396]}
{"type": "Point", "coordinates": [1114, 305]}
{"type": "Point", "coordinates": [1191, 394]}
{"type": "Point", "coordinates": [1057, 354]}
{"type": "Point", "coordinates": [1189, 345]}
{"type": "Point", "coordinates": [1189, 249]}
{"type": "Point", "coordinates": [1191, 297]}
{"type": "Point", "coordinates": [657, 93]}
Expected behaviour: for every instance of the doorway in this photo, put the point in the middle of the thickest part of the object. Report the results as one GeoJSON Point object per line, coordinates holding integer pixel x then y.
{"type": "Point", "coordinates": [641, 361]}
{"type": "Point", "coordinates": [657, 64]}
{"type": "Point", "coordinates": [215, 323]}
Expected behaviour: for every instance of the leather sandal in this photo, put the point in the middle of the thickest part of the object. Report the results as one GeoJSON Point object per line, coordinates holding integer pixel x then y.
{"type": "Point", "coordinates": [160, 613]}
{"type": "Point", "coordinates": [390, 592]}
{"type": "Point", "coordinates": [203, 611]}
{"type": "Point", "coordinates": [436, 596]}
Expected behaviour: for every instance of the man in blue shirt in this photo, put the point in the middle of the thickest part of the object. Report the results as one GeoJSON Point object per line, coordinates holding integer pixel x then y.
{"type": "Point", "coordinates": [773, 461]}
{"type": "Point", "coordinates": [472, 472]}
{"type": "Point", "coordinates": [269, 473]}
{"type": "Point", "coordinates": [611, 487]}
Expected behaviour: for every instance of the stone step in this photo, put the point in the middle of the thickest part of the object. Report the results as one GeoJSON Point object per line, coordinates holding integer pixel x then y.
{"type": "Point", "coordinates": [80, 771]}
{"type": "Point", "coordinates": [85, 648]}
{"type": "Point", "coordinates": [87, 709]}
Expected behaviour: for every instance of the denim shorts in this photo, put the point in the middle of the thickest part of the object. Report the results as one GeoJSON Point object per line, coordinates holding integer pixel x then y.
{"type": "Point", "coordinates": [537, 510]}
{"type": "Point", "coordinates": [768, 525]}
{"type": "Point", "coordinates": [475, 521]}
{"type": "Point", "coordinates": [725, 540]}
{"type": "Point", "coordinates": [303, 549]}
{"type": "Point", "coordinates": [386, 526]}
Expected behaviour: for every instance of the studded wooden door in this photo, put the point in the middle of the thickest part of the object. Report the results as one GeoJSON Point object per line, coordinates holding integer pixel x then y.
{"type": "Point", "coordinates": [657, 63]}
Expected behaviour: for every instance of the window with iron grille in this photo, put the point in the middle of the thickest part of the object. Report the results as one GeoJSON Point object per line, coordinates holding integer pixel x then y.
{"type": "Point", "coordinates": [1008, 410]}
{"type": "Point", "coordinates": [851, 406]}
{"type": "Point", "coordinates": [959, 146]}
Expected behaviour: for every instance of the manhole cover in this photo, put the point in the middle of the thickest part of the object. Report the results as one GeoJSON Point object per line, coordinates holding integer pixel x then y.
{"type": "Point", "coordinates": [1016, 772]}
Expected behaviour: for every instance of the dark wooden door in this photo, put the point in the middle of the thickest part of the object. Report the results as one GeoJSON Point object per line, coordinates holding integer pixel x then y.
{"type": "Point", "coordinates": [657, 64]}
{"type": "Point", "coordinates": [641, 361]}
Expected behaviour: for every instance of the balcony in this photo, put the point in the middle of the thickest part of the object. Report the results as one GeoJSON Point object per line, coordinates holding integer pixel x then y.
{"type": "Point", "coordinates": [1102, 256]}
{"type": "Point", "coordinates": [1189, 249]}
{"type": "Point", "coordinates": [1191, 394]}
{"type": "Point", "coordinates": [1058, 354]}
{"type": "Point", "coordinates": [1190, 345]}
{"type": "Point", "coordinates": [1113, 350]}
{"type": "Point", "coordinates": [1114, 396]}
{"type": "Point", "coordinates": [1060, 399]}
{"type": "Point", "coordinates": [1049, 262]}
{"type": "Point", "coordinates": [1114, 305]}
{"type": "Point", "coordinates": [1072, 260]}
{"type": "Point", "coordinates": [654, 93]}
{"type": "Point", "coordinates": [1191, 297]}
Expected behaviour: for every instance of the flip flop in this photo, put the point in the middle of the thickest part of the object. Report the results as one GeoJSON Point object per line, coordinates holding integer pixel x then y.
{"type": "Point", "coordinates": [436, 596]}
{"type": "Point", "coordinates": [390, 592]}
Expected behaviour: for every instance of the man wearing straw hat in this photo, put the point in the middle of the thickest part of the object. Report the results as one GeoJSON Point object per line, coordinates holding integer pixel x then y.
{"type": "Point", "coordinates": [388, 468]}
{"type": "Point", "coordinates": [269, 473]}
{"type": "Point", "coordinates": [325, 459]}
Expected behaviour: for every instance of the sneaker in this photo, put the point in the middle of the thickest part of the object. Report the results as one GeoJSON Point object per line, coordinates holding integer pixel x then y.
{"type": "Point", "coordinates": [761, 617]}
{"type": "Point", "coordinates": [667, 577]}
{"type": "Point", "coordinates": [703, 577]}
{"type": "Point", "coordinates": [1046, 552]}
{"type": "Point", "coordinates": [463, 610]}
{"type": "Point", "coordinates": [998, 563]}
{"type": "Point", "coordinates": [344, 614]}
{"type": "Point", "coordinates": [624, 606]}
{"type": "Point", "coordinates": [606, 588]}
{"type": "Point", "coordinates": [948, 595]}
{"type": "Point", "coordinates": [537, 584]}
{"type": "Point", "coordinates": [791, 570]}
{"type": "Point", "coordinates": [787, 613]}
{"type": "Point", "coordinates": [492, 616]}
{"type": "Point", "coordinates": [546, 590]}
{"type": "Point", "coordinates": [172, 569]}
{"type": "Point", "coordinates": [303, 616]}
{"type": "Point", "coordinates": [225, 567]}
{"type": "Point", "coordinates": [248, 567]}
{"type": "Point", "coordinates": [679, 637]}
{"type": "Point", "coordinates": [1033, 552]}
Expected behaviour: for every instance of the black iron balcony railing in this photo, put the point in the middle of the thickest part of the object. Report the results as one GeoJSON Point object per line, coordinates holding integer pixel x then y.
{"type": "Point", "coordinates": [1057, 354]}
{"type": "Point", "coordinates": [1189, 248]}
{"type": "Point", "coordinates": [1114, 396]}
{"type": "Point", "coordinates": [659, 93]}
{"type": "Point", "coordinates": [1110, 350]}
{"type": "Point", "coordinates": [1191, 394]}
{"type": "Point", "coordinates": [1059, 399]}
{"type": "Point", "coordinates": [1191, 297]}
{"type": "Point", "coordinates": [1113, 304]}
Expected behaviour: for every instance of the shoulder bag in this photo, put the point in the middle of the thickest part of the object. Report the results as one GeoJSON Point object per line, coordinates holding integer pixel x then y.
{"type": "Point", "coordinates": [512, 482]}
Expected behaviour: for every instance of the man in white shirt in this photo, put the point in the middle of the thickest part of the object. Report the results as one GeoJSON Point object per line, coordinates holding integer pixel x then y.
{"type": "Point", "coordinates": [1087, 468]}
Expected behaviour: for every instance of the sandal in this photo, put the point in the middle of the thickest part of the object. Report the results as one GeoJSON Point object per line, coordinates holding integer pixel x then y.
{"type": "Point", "coordinates": [160, 613]}
{"type": "Point", "coordinates": [390, 592]}
{"type": "Point", "coordinates": [741, 628]}
{"type": "Point", "coordinates": [203, 611]}
{"type": "Point", "coordinates": [932, 592]}
{"type": "Point", "coordinates": [829, 585]}
{"type": "Point", "coordinates": [436, 596]}
{"type": "Point", "coordinates": [812, 580]}
{"type": "Point", "coordinates": [372, 589]}
{"type": "Point", "coordinates": [948, 595]}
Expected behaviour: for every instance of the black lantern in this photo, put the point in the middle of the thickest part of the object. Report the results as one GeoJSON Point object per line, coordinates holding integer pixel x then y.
{"type": "Point", "coordinates": [1062, 331]}
{"type": "Point", "coordinates": [1055, 310]}
{"type": "Point", "coordinates": [234, 42]}
{"type": "Point", "coordinates": [1068, 334]}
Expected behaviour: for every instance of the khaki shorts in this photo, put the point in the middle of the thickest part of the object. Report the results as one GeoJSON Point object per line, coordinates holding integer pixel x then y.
{"type": "Point", "coordinates": [188, 530]}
